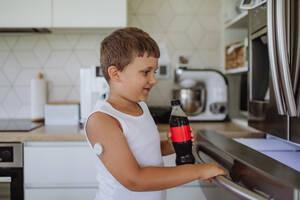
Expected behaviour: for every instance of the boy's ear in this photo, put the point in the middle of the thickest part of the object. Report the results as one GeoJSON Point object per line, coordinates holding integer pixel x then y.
{"type": "Point", "coordinates": [113, 73]}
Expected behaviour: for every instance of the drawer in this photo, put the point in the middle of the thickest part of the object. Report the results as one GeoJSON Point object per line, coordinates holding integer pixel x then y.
{"type": "Point", "coordinates": [60, 194]}
{"type": "Point", "coordinates": [58, 163]}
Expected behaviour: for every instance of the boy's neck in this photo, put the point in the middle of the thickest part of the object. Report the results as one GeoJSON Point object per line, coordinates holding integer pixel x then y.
{"type": "Point", "coordinates": [122, 103]}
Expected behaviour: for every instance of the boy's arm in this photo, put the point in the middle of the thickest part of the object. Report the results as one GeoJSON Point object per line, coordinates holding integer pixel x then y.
{"type": "Point", "coordinates": [121, 163]}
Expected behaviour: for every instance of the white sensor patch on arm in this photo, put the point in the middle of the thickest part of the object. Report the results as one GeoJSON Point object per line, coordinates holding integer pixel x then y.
{"type": "Point", "coordinates": [98, 148]}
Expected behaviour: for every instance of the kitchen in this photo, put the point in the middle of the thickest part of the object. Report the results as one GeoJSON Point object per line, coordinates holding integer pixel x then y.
{"type": "Point", "coordinates": [195, 31]}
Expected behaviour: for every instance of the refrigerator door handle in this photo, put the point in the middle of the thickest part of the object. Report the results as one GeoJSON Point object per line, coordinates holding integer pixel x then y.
{"type": "Point", "coordinates": [273, 58]}
{"type": "Point", "coordinates": [296, 53]}
{"type": "Point", "coordinates": [283, 58]}
{"type": "Point", "coordinates": [228, 184]}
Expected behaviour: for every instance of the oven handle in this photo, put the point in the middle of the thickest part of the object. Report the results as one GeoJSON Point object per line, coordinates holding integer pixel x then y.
{"type": "Point", "coordinates": [283, 57]}
{"type": "Point", "coordinates": [228, 184]}
{"type": "Point", "coordinates": [5, 179]}
{"type": "Point", "coordinates": [273, 58]}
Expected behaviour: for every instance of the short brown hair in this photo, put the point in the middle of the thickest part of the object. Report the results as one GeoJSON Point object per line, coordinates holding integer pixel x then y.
{"type": "Point", "coordinates": [123, 45]}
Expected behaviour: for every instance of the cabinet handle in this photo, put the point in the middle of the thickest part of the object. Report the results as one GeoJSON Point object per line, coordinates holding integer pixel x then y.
{"type": "Point", "coordinates": [5, 179]}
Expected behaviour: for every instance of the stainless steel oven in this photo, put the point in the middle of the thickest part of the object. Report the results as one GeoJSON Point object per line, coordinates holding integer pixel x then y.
{"type": "Point", "coordinates": [11, 171]}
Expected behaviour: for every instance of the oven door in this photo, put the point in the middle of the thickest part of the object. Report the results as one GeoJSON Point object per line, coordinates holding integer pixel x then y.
{"type": "Point", "coordinates": [251, 175]}
{"type": "Point", "coordinates": [226, 186]}
{"type": "Point", "coordinates": [11, 184]}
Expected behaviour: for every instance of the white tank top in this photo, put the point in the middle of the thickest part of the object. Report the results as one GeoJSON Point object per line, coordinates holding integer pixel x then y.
{"type": "Point", "coordinates": [144, 141]}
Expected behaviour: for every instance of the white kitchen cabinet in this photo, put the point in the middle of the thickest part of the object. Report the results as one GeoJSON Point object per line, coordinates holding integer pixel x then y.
{"type": "Point", "coordinates": [61, 193]}
{"type": "Point", "coordinates": [29, 13]}
{"type": "Point", "coordinates": [63, 13]}
{"type": "Point", "coordinates": [59, 170]}
{"type": "Point", "coordinates": [89, 13]}
{"type": "Point", "coordinates": [189, 193]}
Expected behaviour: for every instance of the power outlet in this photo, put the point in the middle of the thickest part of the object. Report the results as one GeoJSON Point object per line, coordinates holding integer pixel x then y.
{"type": "Point", "coordinates": [162, 71]}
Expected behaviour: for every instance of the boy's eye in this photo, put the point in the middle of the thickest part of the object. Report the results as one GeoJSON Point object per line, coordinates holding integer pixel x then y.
{"type": "Point", "coordinates": [146, 72]}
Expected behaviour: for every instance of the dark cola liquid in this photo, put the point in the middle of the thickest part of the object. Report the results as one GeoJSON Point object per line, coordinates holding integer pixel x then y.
{"type": "Point", "coordinates": [183, 148]}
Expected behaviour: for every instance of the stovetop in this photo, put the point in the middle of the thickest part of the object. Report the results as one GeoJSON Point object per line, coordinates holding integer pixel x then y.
{"type": "Point", "coordinates": [12, 125]}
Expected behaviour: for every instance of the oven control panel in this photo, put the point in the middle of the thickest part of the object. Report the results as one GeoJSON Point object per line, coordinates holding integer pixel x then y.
{"type": "Point", "coordinates": [11, 155]}
{"type": "Point", "coordinates": [6, 154]}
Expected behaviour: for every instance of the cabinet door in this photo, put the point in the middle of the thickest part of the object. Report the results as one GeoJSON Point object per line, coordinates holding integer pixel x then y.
{"type": "Point", "coordinates": [190, 193]}
{"type": "Point", "coordinates": [89, 13]}
{"type": "Point", "coordinates": [61, 194]}
{"type": "Point", "coordinates": [59, 164]}
{"type": "Point", "coordinates": [29, 13]}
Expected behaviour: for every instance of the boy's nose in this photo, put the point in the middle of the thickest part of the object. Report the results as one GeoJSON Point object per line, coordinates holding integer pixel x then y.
{"type": "Point", "coordinates": [153, 80]}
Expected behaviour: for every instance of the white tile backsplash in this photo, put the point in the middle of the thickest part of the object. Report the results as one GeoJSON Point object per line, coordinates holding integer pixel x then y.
{"type": "Point", "coordinates": [23, 92]}
{"type": "Point", "coordinates": [12, 104]}
{"type": "Point", "coordinates": [3, 45]}
{"type": "Point", "coordinates": [180, 23]}
{"type": "Point", "coordinates": [58, 42]}
{"type": "Point", "coordinates": [88, 42]}
{"type": "Point", "coordinates": [26, 42]}
{"type": "Point", "coordinates": [186, 27]}
{"type": "Point", "coordinates": [42, 51]}
{"type": "Point", "coordinates": [3, 56]}
{"type": "Point", "coordinates": [3, 80]}
{"type": "Point", "coordinates": [58, 59]}
{"type": "Point", "coordinates": [3, 92]}
{"type": "Point", "coordinates": [195, 32]}
{"type": "Point", "coordinates": [11, 68]}
{"type": "Point", "coordinates": [3, 113]}
{"type": "Point", "coordinates": [181, 41]}
{"type": "Point", "coordinates": [72, 69]}
{"type": "Point", "coordinates": [10, 40]}
{"type": "Point", "coordinates": [27, 59]}
{"type": "Point", "coordinates": [57, 77]}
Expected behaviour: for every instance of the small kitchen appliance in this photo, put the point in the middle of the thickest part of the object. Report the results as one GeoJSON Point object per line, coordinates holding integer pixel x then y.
{"type": "Point", "coordinates": [18, 125]}
{"type": "Point", "coordinates": [93, 89]}
{"type": "Point", "coordinates": [203, 93]}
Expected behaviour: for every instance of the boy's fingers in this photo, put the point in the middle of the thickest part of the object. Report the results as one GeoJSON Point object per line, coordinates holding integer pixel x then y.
{"type": "Point", "coordinates": [207, 180]}
{"type": "Point", "coordinates": [169, 134]}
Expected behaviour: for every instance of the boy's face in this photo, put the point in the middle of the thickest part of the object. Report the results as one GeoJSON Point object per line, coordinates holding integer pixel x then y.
{"type": "Point", "coordinates": [138, 78]}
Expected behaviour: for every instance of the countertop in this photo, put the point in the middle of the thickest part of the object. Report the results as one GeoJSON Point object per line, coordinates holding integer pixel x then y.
{"type": "Point", "coordinates": [75, 133]}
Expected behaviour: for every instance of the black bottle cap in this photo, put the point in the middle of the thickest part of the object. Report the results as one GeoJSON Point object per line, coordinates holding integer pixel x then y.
{"type": "Point", "coordinates": [175, 102]}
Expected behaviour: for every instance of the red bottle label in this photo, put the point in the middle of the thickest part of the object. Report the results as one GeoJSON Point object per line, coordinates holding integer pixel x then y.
{"type": "Point", "coordinates": [181, 133]}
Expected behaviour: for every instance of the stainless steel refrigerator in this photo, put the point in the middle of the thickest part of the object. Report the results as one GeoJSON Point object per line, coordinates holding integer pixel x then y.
{"type": "Point", "coordinates": [267, 167]}
{"type": "Point", "coordinates": [274, 92]}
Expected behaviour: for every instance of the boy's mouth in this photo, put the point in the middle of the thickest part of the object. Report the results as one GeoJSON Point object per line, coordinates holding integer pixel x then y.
{"type": "Point", "coordinates": [147, 89]}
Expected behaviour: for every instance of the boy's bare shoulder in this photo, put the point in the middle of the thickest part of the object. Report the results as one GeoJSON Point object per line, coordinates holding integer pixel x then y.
{"type": "Point", "coordinates": [100, 122]}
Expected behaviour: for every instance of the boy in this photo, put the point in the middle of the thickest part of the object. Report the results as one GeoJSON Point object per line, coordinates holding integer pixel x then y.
{"type": "Point", "coordinates": [131, 166]}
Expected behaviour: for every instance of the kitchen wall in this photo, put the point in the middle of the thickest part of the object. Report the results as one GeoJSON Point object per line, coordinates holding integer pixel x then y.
{"type": "Point", "coordinates": [186, 27]}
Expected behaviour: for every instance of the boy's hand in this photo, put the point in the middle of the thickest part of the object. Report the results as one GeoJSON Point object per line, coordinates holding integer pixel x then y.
{"type": "Point", "coordinates": [211, 170]}
{"type": "Point", "coordinates": [192, 137]}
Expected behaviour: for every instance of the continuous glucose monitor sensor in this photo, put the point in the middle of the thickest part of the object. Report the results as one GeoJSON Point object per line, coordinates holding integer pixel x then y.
{"type": "Point", "coordinates": [250, 4]}
{"type": "Point", "coordinates": [98, 148]}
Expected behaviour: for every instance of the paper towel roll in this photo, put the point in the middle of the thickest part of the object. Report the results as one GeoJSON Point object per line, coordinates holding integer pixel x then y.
{"type": "Point", "coordinates": [38, 93]}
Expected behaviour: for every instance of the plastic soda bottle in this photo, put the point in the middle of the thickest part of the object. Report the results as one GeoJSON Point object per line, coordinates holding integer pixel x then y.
{"type": "Point", "coordinates": [181, 135]}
